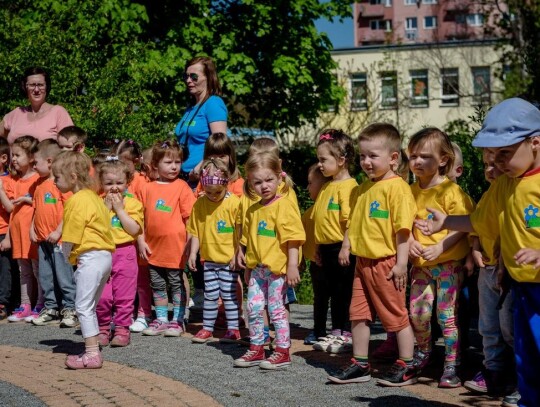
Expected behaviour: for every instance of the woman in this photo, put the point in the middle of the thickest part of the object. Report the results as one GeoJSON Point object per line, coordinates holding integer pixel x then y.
{"type": "Point", "coordinates": [41, 119]}
{"type": "Point", "coordinates": [206, 114]}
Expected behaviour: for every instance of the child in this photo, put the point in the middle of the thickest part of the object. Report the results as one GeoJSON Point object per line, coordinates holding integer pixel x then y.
{"type": "Point", "coordinates": [126, 223]}
{"type": "Point", "coordinates": [167, 205]}
{"type": "Point", "coordinates": [130, 153]}
{"type": "Point", "coordinates": [437, 260]}
{"type": "Point", "coordinates": [330, 215]}
{"type": "Point", "coordinates": [23, 250]}
{"type": "Point", "coordinates": [7, 184]}
{"type": "Point", "coordinates": [457, 168]}
{"type": "Point", "coordinates": [212, 229]}
{"type": "Point", "coordinates": [72, 137]}
{"type": "Point", "coordinates": [88, 243]}
{"type": "Point", "coordinates": [55, 273]}
{"type": "Point", "coordinates": [378, 229]}
{"type": "Point", "coordinates": [271, 236]}
{"type": "Point", "coordinates": [316, 180]}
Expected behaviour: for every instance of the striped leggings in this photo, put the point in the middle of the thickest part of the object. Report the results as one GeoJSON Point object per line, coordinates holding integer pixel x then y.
{"type": "Point", "coordinates": [220, 281]}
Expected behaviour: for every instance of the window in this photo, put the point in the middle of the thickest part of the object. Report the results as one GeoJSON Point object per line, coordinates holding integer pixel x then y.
{"type": "Point", "coordinates": [429, 1]}
{"type": "Point", "coordinates": [411, 23]}
{"type": "Point", "coordinates": [450, 87]}
{"type": "Point", "coordinates": [389, 89]}
{"type": "Point", "coordinates": [430, 22]}
{"type": "Point", "coordinates": [410, 2]}
{"type": "Point", "coordinates": [386, 3]}
{"type": "Point", "coordinates": [381, 25]}
{"type": "Point", "coordinates": [419, 88]}
{"type": "Point", "coordinates": [481, 85]}
{"type": "Point", "coordinates": [475, 20]}
{"type": "Point", "coordinates": [359, 91]}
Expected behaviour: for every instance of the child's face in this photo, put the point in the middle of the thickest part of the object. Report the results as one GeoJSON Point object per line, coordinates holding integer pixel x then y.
{"type": "Point", "coordinates": [42, 165]}
{"type": "Point", "coordinates": [63, 182]}
{"type": "Point", "coordinates": [517, 159]}
{"type": "Point", "coordinates": [265, 183]}
{"type": "Point", "coordinates": [66, 144]}
{"type": "Point", "coordinates": [127, 159]}
{"type": "Point", "coordinates": [314, 184]}
{"type": "Point", "coordinates": [491, 172]}
{"type": "Point", "coordinates": [224, 158]}
{"type": "Point", "coordinates": [168, 168]}
{"type": "Point", "coordinates": [215, 193]}
{"type": "Point", "coordinates": [19, 159]}
{"type": "Point", "coordinates": [327, 162]}
{"type": "Point", "coordinates": [425, 160]}
{"type": "Point", "coordinates": [113, 182]}
{"type": "Point", "coordinates": [376, 159]}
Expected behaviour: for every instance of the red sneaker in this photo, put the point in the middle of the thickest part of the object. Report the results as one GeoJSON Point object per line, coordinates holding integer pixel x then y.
{"type": "Point", "coordinates": [232, 336]}
{"type": "Point", "coordinates": [202, 336]}
{"type": "Point", "coordinates": [253, 357]}
{"type": "Point", "coordinates": [121, 337]}
{"type": "Point", "coordinates": [279, 359]}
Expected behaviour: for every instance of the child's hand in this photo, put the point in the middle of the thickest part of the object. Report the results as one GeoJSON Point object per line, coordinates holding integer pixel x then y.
{"type": "Point", "coordinates": [469, 264]}
{"type": "Point", "coordinates": [117, 201]}
{"type": "Point", "coordinates": [293, 276]}
{"type": "Point", "coordinates": [318, 260]}
{"type": "Point", "coordinates": [433, 225]}
{"type": "Point", "coordinates": [54, 237]}
{"type": "Point", "coordinates": [33, 235]}
{"type": "Point", "coordinates": [232, 264]}
{"type": "Point", "coordinates": [241, 260]}
{"type": "Point", "coordinates": [144, 250]}
{"type": "Point", "coordinates": [247, 276]}
{"type": "Point", "coordinates": [344, 256]}
{"type": "Point", "coordinates": [192, 262]}
{"type": "Point", "coordinates": [415, 249]}
{"type": "Point", "coordinates": [528, 256]}
{"type": "Point", "coordinates": [399, 274]}
{"type": "Point", "coordinates": [22, 200]}
{"type": "Point", "coordinates": [5, 245]}
{"type": "Point", "coordinates": [433, 252]}
{"type": "Point", "coordinates": [478, 259]}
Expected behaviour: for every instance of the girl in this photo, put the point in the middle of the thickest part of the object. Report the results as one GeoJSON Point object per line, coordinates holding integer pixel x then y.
{"type": "Point", "coordinates": [437, 259]}
{"type": "Point", "coordinates": [330, 214]}
{"type": "Point", "coordinates": [212, 228]}
{"type": "Point", "coordinates": [271, 236]}
{"type": "Point", "coordinates": [20, 222]}
{"type": "Point", "coordinates": [130, 153]}
{"type": "Point", "coordinates": [87, 241]}
{"type": "Point", "coordinates": [167, 205]}
{"type": "Point", "coordinates": [126, 223]}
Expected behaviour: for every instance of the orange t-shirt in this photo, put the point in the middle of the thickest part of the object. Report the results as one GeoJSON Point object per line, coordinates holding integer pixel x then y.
{"type": "Point", "coordinates": [48, 204]}
{"type": "Point", "coordinates": [167, 207]}
{"type": "Point", "coordinates": [21, 219]}
{"type": "Point", "coordinates": [234, 187]}
{"type": "Point", "coordinates": [137, 184]}
{"type": "Point", "coordinates": [8, 183]}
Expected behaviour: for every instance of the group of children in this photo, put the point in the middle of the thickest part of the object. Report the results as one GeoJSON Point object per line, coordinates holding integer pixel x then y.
{"type": "Point", "coordinates": [131, 234]}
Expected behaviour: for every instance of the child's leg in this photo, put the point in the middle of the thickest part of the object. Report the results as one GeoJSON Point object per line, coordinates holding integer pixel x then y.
{"type": "Point", "coordinates": [144, 292]}
{"type": "Point", "coordinates": [178, 291]}
{"type": "Point", "coordinates": [5, 280]}
{"type": "Point", "coordinates": [46, 262]}
{"type": "Point", "coordinates": [158, 282]}
{"type": "Point", "coordinates": [124, 284]}
{"type": "Point", "coordinates": [211, 296]}
{"type": "Point", "coordinates": [276, 309]}
{"type": "Point", "coordinates": [105, 303]}
{"type": "Point", "coordinates": [64, 277]}
{"type": "Point", "coordinates": [405, 340]}
{"type": "Point", "coordinates": [257, 291]}
{"type": "Point", "coordinates": [27, 280]}
{"type": "Point", "coordinates": [421, 302]}
{"type": "Point", "coordinates": [228, 285]}
{"type": "Point", "coordinates": [320, 299]}
{"type": "Point", "coordinates": [360, 334]}
{"type": "Point", "coordinates": [35, 271]}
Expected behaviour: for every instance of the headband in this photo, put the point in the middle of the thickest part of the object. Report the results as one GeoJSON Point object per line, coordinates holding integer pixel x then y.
{"type": "Point", "coordinates": [216, 179]}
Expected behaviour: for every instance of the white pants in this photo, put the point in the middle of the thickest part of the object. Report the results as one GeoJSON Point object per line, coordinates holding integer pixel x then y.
{"type": "Point", "coordinates": [93, 271]}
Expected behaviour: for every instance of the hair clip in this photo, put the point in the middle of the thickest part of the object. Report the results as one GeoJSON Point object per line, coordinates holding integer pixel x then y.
{"type": "Point", "coordinates": [326, 136]}
{"type": "Point", "coordinates": [111, 158]}
{"type": "Point", "coordinates": [283, 174]}
{"type": "Point", "coordinates": [165, 144]}
{"type": "Point", "coordinates": [130, 142]}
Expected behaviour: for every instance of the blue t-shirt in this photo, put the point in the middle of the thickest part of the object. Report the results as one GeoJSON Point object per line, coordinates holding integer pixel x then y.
{"type": "Point", "coordinates": [213, 110]}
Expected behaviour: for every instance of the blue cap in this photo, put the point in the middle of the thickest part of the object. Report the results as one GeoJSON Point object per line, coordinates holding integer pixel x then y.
{"type": "Point", "coordinates": [508, 123]}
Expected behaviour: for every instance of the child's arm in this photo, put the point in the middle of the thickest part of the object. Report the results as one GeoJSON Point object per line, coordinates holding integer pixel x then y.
{"type": "Point", "coordinates": [33, 235]}
{"type": "Point", "coordinates": [345, 252]}
{"type": "Point", "coordinates": [440, 221]}
{"type": "Point", "coordinates": [144, 249]}
{"type": "Point", "coordinates": [194, 248]}
{"type": "Point", "coordinates": [469, 264]}
{"type": "Point", "coordinates": [67, 247]}
{"type": "Point", "coordinates": [415, 247]}
{"type": "Point", "coordinates": [434, 251]}
{"type": "Point", "coordinates": [293, 275]}
{"type": "Point", "coordinates": [6, 243]}
{"type": "Point", "coordinates": [240, 252]}
{"type": "Point", "coordinates": [399, 271]}
{"type": "Point", "coordinates": [55, 235]}
{"type": "Point", "coordinates": [476, 252]}
{"type": "Point", "coordinates": [528, 256]}
{"type": "Point", "coordinates": [4, 200]}
{"type": "Point", "coordinates": [128, 223]}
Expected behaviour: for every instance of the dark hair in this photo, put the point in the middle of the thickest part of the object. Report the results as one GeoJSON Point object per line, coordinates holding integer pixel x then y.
{"type": "Point", "coordinates": [212, 81]}
{"type": "Point", "coordinates": [441, 141]}
{"type": "Point", "coordinates": [339, 144]}
{"type": "Point", "coordinates": [74, 131]}
{"type": "Point", "coordinates": [27, 143]}
{"type": "Point", "coordinates": [220, 144]}
{"type": "Point", "coordinates": [35, 70]}
{"type": "Point", "coordinates": [48, 148]}
{"type": "Point", "coordinates": [163, 149]}
{"type": "Point", "coordinates": [130, 146]}
{"type": "Point", "coordinates": [4, 149]}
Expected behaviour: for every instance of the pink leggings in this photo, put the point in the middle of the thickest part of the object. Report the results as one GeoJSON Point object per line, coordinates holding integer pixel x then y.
{"type": "Point", "coordinates": [144, 292]}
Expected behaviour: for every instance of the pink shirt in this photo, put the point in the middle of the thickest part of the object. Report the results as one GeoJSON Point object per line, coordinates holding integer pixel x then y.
{"type": "Point", "coordinates": [19, 123]}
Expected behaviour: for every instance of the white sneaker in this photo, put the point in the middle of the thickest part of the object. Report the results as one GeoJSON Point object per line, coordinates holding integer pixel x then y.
{"type": "Point", "coordinates": [340, 345]}
{"type": "Point", "coordinates": [34, 314]}
{"type": "Point", "coordinates": [139, 325]}
{"type": "Point", "coordinates": [69, 318]}
{"type": "Point", "coordinates": [324, 342]}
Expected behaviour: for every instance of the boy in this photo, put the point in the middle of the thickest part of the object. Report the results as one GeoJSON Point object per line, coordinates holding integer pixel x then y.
{"type": "Point", "coordinates": [509, 211]}
{"type": "Point", "coordinates": [70, 137]}
{"type": "Point", "coordinates": [55, 274]}
{"type": "Point", "coordinates": [382, 214]}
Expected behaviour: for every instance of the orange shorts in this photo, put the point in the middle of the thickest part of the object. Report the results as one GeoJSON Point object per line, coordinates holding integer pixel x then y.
{"type": "Point", "coordinates": [373, 294]}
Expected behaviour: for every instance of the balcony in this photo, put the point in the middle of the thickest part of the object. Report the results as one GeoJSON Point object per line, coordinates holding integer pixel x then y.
{"type": "Point", "coordinates": [375, 36]}
{"type": "Point", "coordinates": [411, 34]}
{"type": "Point", "coordinates": [371, 10]}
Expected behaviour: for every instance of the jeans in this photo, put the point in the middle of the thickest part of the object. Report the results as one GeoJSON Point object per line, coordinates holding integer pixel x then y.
{"type": "Point", "coordinates": [55, 277]}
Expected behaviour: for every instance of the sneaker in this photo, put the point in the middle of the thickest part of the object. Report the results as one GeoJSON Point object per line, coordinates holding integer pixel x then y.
{"type": "Point", "coordinates": [140, 324]}
{"type": "Point", "coordinates": [121, 337]}
{"type": "Point", "coordinates": [476, 384]}
{"type": "Point", "coordinates": [202, 336]}
{"type": "Point", "coordinates": [34, 314]}
{"type": "Point", "coordinates": [354, 373]}
{"type": "Point", "coordinates": [388, 350]}
{"type": "Point", "coordinates": [310, 339]}
{"type": "Point", "coordinates": [83, 361]}
{"type": "Point", "coordinates": [253, 357]}
{"type": "Point", "coordinates": [399, 375]}
{"type": "Point", "coordinates": [20, 313]}
{"type": "Point", "coordinates": [46, 317]}
{"type": "Point", "coordinates": [174, 329]}
{"type": "Point", "coordinates": [511, 400]}
{"type": "Point", "coordinates": [104, 336]}
{"type": "Point", "coordinates": [324, 342]}
{"type": "Point", "coordinates": [341, 344]}
{"type": "Point", "coordinates": [449, 379]}
{"type": "Point", "coordinates": [3, 312]}
{"type": "Point", "coordinates": [279, 359]}
{"type": "Point", "coordinates": [421, 359]}
{"type": "Point", "coordinates": [231, 336]}
{"type": "Point", "coordinates": [156, 327]}
{"type": "Point", "coordinates": [69, 318]}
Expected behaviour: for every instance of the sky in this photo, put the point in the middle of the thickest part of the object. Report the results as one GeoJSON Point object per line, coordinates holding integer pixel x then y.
{"type": "Point", "coordinates": [341, 34]}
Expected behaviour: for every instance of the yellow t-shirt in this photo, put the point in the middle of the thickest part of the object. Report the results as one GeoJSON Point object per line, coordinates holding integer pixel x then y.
{"type": "Point", "coordinates": [135, 211]}
{"type": "Point", "coordinates": [332, 209]}
{"type": "Point", "coordinates": [266, 231]}
{"type": "Point", "coordinates": [86, 224]}
{"type": "Point", "coordinates": [213, 223]}
{"type": "Point", "coordinates": [511, 209]}
{"type": "Point", "coordinates": [309, 227]}
{"type": "Point", "coordinates": [378, 211]}
{"type": "Point", "coordinates": [489, 247]}
{"type": "Point", "coordinates": [449, 198]}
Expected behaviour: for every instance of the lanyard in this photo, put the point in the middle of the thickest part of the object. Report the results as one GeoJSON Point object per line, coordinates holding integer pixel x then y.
{"type": "Point", "coordinates": [186, 139]}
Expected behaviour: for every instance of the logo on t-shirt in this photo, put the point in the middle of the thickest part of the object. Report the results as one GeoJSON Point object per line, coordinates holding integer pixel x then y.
{"type": "Point", "coordinates": [128, 194]}
{"type": "Point", "coordinates": [333, 206]}
{"type": "Point", "coordinates": [223, 228]}
{"type": "Point", "coordinates": [160, 206]}
{"type": "Point", "coordinates": [375, 212]}
{"type": "Point", "coordinates": [49, 199]}
{"type": "Point", "coordinates": [531, 217]}
{"type": "Point", "coordinates": [262, 231]}
{"type": "Point", "coordinates": [115, 222]}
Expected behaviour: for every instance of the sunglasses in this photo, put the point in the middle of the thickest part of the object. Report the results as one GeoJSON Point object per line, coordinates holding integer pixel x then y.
{"type": "Point", "coordinates": [193, 76]}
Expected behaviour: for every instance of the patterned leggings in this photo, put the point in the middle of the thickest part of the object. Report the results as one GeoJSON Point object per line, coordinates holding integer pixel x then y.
{"type": "Point", "coordinates": [263, 284]}
{"type": "Point", "coordinates": [444, 280]}
{"type": "Point", "coordinates": [220, 281]}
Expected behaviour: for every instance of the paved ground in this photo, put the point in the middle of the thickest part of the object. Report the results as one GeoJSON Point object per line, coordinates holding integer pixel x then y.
{"type": "Point", "coordinates": [173, 371]}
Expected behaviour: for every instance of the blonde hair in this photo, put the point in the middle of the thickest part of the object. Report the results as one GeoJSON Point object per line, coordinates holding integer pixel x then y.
{"type": "Point", "coordinates": [263, 145]}
{"type": "Point", "coordinates": [114, 166]}
{"type": "Point", "coordinates": [47, 148]}
{"type": "Point", "coordinates": [439, 140]}
{"type": "Point", "coordinates": [270, 161]}
{"type": "Point", "coordinates": [73, 162]}
{"type": "Point", "coordinates": [146, 165]}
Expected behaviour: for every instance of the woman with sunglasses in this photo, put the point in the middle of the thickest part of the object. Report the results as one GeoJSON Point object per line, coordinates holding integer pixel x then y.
{"type": "Point", "coordinates": [206, 113]}
{"type": "Point", "coordinates": [40, 119]}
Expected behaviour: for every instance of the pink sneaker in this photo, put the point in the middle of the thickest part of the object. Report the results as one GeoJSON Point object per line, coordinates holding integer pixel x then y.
{"type": "Point", "coordinates": [202, 336]}
{"type": "Point", "coordinates": [20, 313]}
{"type": "Point", "coordinates": [104, 336]}
{"type": "Point", "coordinates": [34, 314]}
{"type": "Point", "coordinates": [121, 337]}
{"type": "Point", "coordinates": [83, 361]}
{"type": "Point", "coordinates": [232, 336]}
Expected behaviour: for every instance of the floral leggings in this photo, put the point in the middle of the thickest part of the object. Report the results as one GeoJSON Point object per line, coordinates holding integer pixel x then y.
{"type": "Point", "coordinates": [263, 285]}
{"type": "Point", "coordinates": [444, 280]}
